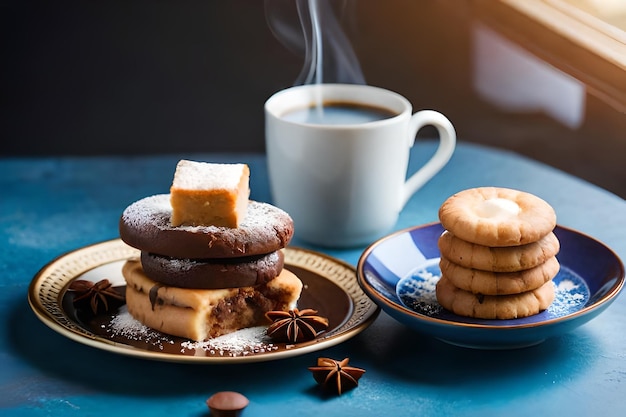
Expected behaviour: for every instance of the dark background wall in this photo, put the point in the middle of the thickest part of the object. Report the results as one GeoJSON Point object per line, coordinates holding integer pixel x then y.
{"type": "Point", "coordinates": [126, 76]}
{"type": "Point", "coordinates": [138, 76]}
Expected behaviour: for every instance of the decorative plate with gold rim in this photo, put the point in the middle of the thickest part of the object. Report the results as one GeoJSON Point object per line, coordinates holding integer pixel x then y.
{"type": "Point", "coordinates": [330, 287]}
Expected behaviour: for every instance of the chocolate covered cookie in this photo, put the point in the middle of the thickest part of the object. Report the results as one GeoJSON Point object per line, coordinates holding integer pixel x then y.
{"type": "Point", "coordinates": [146, 225]}
{"type": "Point", "coordinates": [213, 273]}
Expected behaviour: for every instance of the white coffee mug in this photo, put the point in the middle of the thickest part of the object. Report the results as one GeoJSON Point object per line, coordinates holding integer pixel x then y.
{"type": "Point", "coordinates": [345, 184]}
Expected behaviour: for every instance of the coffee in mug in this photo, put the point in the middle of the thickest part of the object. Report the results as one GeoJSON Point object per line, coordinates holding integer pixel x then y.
{"type": "Point", "coordinates": [338, 113]}
{"type": "Point", "coordinates": [338, 156]}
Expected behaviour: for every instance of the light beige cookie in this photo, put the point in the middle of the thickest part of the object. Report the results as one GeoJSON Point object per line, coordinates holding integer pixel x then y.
{"type": "Point", "coordinates": [498, 259]}
{"type": "Point", "coordinates": [465, 303]}
{"type": "Point", "coordinates": [199, 314]}
{"type": "Point", "coordinates": [493, 216]}
{"type": "Point", "coordinates": [499, 283]}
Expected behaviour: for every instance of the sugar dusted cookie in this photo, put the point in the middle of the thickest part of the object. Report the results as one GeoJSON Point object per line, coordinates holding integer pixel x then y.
{"type": "Point", "coordinates": [499, 283]}
{"type": "Point", "coordinates": [493, 216]}
{"type": "Point", "coordinates": [465, 303]}
{"type": "Point", "coordinates": [146, 225]}
{"type": "Point", "coordinates": [498, 259]}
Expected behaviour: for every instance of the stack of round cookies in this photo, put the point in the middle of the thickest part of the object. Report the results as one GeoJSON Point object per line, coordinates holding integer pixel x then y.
{"type": "Point", "coordinates": [220, 268]}
{"type": "Point", "coordinates": [498, 254]}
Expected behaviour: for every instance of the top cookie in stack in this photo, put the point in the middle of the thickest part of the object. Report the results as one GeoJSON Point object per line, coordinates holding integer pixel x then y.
{"type": "Point", "coordinates": [211, 260]}
{"type": "Point", "coordinates": [498, 253]}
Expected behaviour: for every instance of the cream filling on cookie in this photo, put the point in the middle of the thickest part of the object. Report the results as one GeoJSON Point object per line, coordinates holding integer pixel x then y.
{"type": "Point", "coordinates": [497, 208]}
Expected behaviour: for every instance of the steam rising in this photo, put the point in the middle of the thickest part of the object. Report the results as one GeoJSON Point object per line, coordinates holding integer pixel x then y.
{"type": "Point", "coordinates": [311, 28]}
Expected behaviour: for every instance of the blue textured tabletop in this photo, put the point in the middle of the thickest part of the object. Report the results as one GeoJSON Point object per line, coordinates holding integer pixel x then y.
{"type": "Point", "coordinates": [50, 206]}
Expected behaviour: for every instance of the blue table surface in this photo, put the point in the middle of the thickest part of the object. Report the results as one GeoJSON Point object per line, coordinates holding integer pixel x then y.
{"type": "Point", "coordinates": [50, 206]}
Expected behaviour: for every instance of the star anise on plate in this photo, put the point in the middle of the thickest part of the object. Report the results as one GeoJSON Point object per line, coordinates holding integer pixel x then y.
{"type": "Point", "coordinates": [97, 294]}
{"type": "Point", "coordinates": [336, 375]}
{"type": "Point", "coordinates": [295, 326]}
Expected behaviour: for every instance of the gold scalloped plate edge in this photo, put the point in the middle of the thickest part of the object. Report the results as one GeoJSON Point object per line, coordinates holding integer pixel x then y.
{"type": "Point", "coordinates": [46, 291]}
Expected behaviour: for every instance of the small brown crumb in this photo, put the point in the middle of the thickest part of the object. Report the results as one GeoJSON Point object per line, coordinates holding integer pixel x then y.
{"type": "Point", "coordinates": [227, 404]}
{"type": "Point", "coordinates": [335, 375]}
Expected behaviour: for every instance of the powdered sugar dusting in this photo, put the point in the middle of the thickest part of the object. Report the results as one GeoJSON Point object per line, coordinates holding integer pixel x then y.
{"type": "Point", "coordinates": [155, 211]}
{"type": "Point", "coordinates": [566, 285]}
{"type": "Point", "coordinates": [146, 224]}
{"type": "Point", "coordinates": [148, 209]}
{"type": "Point", "coordinates": [572, 293]}
{"type": "Point", "coordinates": [125, 325]}
{"type": "Point", "coordinates": [240, 343]}
{"type": "Point", "coordinates": [192, 175]}
{"type": "Point", "coordinates": [244, 342]}
{"type": "Point", "coordinates": [417, 292]}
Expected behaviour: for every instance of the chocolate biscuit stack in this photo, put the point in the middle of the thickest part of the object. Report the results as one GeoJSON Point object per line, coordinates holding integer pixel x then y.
{"type": "Point", "coordinates": [202, 280]}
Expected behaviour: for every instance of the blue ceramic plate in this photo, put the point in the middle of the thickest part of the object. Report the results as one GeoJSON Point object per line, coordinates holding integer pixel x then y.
{"type": "Point", "coordinates": [399, 272]}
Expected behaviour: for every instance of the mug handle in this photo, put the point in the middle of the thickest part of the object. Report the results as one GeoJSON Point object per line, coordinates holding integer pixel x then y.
{"type": "Point", "coordinates": [447, 143]}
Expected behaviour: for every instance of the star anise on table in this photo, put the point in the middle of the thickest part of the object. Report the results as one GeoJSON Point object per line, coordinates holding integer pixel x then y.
{"type": "Point", "coordinates": [336, 375]}
{"type": "Point", "coordinates": [295, 326]}
{"type": "Point", "coordinates": [97, 294]}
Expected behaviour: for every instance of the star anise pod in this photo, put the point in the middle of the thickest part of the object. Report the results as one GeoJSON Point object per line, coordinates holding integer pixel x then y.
{"type": "Point", "coordinates": [295, 326]}
{"type": "Point", "coordinates": [97, 294]}
{"type": "Point", "coordinates": [335, 375]}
